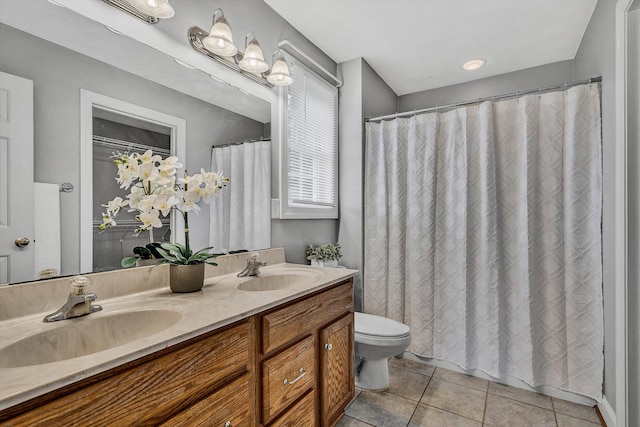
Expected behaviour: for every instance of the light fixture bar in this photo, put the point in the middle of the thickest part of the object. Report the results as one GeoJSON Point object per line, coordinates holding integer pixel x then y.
{"type": "Point", "coordinates": [197, 34]}
{"type": "Point", "coordinates": [128, 8]}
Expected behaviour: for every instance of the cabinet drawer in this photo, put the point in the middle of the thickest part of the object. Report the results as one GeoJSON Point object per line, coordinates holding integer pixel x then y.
{"type": "Point", "coordinates": [293, 321]}
{"type": "Point", "coordinates": [287, 376]}
{"type": "Point", "coordinates": [229, 405]}
{"type": "Point", "coordinates": [151, 392]}
{"type": "Point", "coordinates": [303, 413]}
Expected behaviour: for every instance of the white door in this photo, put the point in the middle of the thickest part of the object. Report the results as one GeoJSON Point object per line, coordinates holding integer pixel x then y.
{"type": "Point", "coordinates": [16, 178]}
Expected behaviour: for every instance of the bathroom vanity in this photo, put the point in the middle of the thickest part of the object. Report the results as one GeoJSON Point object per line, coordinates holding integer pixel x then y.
{"type": "Point", "coordinates": [270, 351]}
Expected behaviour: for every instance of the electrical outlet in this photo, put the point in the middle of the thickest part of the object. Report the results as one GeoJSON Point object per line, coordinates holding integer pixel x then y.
{"type": "Point", "coordinates": [275, 208]}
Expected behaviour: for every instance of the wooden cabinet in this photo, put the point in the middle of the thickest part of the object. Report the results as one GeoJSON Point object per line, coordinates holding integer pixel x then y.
{"type": "Point", "coordinates": [156, 389]}
{"type": "Point", "coordinates": [321, 327]}
{"type": "Point", "coordinates": [336, 368]}
{"type": "Point", "coordinates": [291, 366]}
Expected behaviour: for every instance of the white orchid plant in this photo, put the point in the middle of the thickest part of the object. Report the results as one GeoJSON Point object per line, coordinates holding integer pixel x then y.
{"type": "Point", "coordinates": [155, 190]}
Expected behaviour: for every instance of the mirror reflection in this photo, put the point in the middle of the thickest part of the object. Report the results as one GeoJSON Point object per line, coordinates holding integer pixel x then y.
{"type": "Point", "coordinates": [115, 133]}
{"type": "Point", "coordinates": [60, 73]}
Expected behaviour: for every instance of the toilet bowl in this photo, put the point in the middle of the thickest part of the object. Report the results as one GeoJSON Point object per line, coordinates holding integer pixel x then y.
{"type": "Point", "coordinates": [376, 340]}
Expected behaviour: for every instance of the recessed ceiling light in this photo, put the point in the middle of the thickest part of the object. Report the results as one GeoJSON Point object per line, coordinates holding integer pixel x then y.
{"type": "Point", "coordinates": [474, 64]}
{"type": "Point", "coordinates": [184, 64]}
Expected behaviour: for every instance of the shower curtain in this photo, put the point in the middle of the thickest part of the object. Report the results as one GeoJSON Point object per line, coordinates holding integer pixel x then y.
{"type": "Point", "coordinates": [483, 234]}
{"type": "Point", "coordinates": [240, 214]}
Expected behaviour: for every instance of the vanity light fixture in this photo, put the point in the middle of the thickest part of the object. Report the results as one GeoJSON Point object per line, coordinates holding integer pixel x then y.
{"type": "Point", "coordinates": [279, 75]}
{"type": "Point", "coordinates": [218, 45]}
{"type": "Point", "coordinates": [474, 64]}
{"type": "Point", "coordinates": [220, 40]}
{"type": "Point", "coordinates": [161, 9]}
{"type": "Point", "coordinates": [253, 59]}
{"type": "Point", "coordinates": [149, 11]}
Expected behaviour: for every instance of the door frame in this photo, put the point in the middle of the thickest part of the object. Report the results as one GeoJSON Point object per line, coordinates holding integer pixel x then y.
{"type": "Point", "coordinates": [621, 204]}
{"type": "Point", "coordinates": [88, 101]}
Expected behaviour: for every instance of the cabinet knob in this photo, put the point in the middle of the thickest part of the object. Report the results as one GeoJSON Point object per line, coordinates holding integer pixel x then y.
{"type": "Point", "coordinates": [227, 424]}
{"type": "Point", "coordinates": [328, 346]}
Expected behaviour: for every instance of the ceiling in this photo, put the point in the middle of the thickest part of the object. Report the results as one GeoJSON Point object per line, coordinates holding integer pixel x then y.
{"type": "Point", "coordinates": [416, 45]}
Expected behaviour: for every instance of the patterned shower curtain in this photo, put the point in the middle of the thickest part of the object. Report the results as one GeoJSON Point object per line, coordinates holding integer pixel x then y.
{"type": "Point", "coordinates": [241, 214]}
{"type": "Point", "coordinates": [483, 234]}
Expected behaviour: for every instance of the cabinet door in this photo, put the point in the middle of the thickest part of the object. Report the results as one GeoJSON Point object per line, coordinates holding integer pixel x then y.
{"type": "Point", "coordinates": [336, 367]}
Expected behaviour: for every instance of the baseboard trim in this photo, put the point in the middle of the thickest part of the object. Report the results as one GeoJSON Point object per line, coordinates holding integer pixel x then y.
{"type": "Point", "coordinates": [607, 413]}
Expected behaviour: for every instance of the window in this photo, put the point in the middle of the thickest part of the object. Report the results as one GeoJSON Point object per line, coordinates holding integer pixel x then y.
{"type": "Point", "coordinates": [311, 150]}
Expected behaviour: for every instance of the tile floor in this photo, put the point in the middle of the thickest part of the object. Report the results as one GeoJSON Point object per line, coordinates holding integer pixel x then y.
{"type": "Point", "coordinates": [420, 395]}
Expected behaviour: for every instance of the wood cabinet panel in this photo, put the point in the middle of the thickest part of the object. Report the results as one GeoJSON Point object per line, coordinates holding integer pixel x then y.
{"type": "Point", "coordinates": [150, 393]}
{"type": "Point", "coordinates": [336, 368]}
{"type": "Point", "coordinates": [287, 376]}
{"type": "Point", "coordinates": [230, 405]}
{"type": "Point", "coordinates": [302, 414]}
{"type": "Point", "coordinates": [286, 324]}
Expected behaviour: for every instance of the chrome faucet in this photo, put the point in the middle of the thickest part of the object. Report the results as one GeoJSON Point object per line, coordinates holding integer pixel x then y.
{"type": "Point", "coordinates": [78, 302]}
{"type": "Point", "coordinates": [253, 266]}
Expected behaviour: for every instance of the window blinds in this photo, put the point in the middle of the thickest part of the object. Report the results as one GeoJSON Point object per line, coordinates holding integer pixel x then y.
{"type": "Point", "coordinates": [312, 140]}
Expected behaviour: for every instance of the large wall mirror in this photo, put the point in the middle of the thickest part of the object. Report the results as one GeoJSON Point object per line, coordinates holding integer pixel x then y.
{"type": "Point", "coordinates": [64, 53]}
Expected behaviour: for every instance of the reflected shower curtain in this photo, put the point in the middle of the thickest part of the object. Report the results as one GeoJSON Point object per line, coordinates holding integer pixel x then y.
{"type": "Point", "coordinates": [483, 234]}
{"type": "Point", "coordinates": [241, 214]}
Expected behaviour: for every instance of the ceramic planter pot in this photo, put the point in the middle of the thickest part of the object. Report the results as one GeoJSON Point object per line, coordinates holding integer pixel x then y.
{"type": "Point", "coordinates": [186, 278]}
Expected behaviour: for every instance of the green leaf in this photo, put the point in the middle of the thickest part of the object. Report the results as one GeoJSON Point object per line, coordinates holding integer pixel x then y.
{"type": "Point", "coordinates": [177, 247]}
{"type": "Point", "coordinates": [168, 257]}
{"type": "Point", "coordinates": [153, 248]}
{"type": "Point", "coordinates": [129, 261]}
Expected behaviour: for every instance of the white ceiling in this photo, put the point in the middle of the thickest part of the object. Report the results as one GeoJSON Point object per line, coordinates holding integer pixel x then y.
{"type": "Point", "coordinates": [417, 45]}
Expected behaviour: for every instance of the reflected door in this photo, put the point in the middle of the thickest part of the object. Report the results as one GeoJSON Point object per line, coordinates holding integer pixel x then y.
{"type": "Point", "coordinates": [16, 191]}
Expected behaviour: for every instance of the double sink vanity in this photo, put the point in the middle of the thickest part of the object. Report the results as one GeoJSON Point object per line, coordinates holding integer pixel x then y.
{"type": "Point", "coordinates": [271, 350]}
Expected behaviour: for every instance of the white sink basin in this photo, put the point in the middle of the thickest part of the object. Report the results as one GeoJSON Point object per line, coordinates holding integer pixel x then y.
{"type": "Point", "coordinates": [68, 339]}
{"type": "Point", "coordinates": [273, 280]}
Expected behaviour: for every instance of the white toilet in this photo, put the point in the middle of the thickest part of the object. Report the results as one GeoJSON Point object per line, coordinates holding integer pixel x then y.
{"type": "Point", "coordinates": [376, 340]}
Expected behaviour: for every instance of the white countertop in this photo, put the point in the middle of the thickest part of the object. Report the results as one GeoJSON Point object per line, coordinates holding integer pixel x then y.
{"type": "Point", "coordinates": [218, 304]}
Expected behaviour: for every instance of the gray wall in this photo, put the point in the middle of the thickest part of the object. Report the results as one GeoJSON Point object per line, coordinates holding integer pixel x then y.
{"type": "Point", "coordinates": [596, 57]}
{"type": "Point", "coordinates": [633, 135]}
{"type": "Point", "coordinates": [58, 76]}
{"type": "Point", "coordinates": [530, 78]}
{"type": "Point", "coordinates": [364, 94]}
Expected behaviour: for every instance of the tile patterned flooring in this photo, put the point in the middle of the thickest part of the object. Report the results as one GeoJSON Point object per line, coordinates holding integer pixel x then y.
{"type": "Point", "coordinates": [420, 395]}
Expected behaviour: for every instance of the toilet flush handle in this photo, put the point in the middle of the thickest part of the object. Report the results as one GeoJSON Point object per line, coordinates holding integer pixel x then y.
{"type": "Point", "coordinates": [328, 346]}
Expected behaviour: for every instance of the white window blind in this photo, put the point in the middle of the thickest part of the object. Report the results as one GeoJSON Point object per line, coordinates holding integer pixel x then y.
{"type": "Point", "coordinates": [312, 142]}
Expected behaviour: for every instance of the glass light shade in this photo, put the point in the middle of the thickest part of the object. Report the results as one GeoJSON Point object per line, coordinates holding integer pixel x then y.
{"type": "Point", "coordinates": [279, 75]}
{"type": "Point", "coordinates": [253, 59]}
{"type": "Point", "coordinates": [158, 8]}
{"type": "Point", "coordinates": [220, 39]}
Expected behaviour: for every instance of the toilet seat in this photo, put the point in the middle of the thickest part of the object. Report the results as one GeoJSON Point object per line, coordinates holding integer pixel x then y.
{"type": "Point", "coordinates": [371, 326]}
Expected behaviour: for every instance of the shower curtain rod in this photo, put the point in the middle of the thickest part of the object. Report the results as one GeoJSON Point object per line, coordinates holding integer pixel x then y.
{"type": "Point", "coordinates": [246, 141]}
{"type": "Point", "coordinates": [488, 98]}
